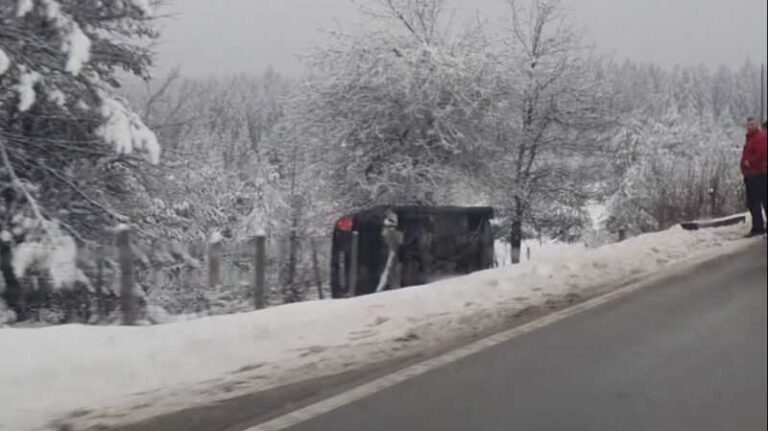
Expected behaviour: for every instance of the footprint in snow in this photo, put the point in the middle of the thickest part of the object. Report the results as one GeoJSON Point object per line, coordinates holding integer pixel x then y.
{"type": "Point", "coordinates": [379, 321]}
{"type": "Point", "coordinates": [361, 335]}
{"type": "Point", "coordinates": [249, 367]}
{"type": "Point", "coordinates": [314, 350]}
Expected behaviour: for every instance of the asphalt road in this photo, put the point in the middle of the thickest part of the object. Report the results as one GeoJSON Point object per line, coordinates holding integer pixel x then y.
{"type": "Point", "coordinates": [688, 354]}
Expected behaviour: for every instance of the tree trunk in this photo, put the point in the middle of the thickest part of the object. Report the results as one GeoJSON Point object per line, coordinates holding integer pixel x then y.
{"type": "Point", "coordinates": [293, 246]}
{"type": "Point", "coordinates": [293, 295]}
{"type": "Point", "coordinates": [13, 294]}
{"type": "Point", "coordinates": [259, 270]}
{"type": "Point", "coordinates": [516, 240]}
{"type": "Point", "coordinates": [713, 193]}
{"type": "Point", "coordinates": [101, 300]}
{"type": "Point", "coordinates": [214, 265]}
{"type": "Point", "coordinates": [316, 269]}
{"type": "Point", "coordinates": [516, 232]}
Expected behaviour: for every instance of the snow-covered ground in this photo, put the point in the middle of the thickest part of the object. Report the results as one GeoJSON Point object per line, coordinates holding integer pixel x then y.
{"type": "Point", "coordinates": [108, 375]}
{"type": "Point", "coordinates": [534, 250]}
{"type": "Point", "coordinates": [549, 249]}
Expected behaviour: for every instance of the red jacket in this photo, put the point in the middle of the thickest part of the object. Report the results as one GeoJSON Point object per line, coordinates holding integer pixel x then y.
{"type": "Point", "coordinates": [754, 159]}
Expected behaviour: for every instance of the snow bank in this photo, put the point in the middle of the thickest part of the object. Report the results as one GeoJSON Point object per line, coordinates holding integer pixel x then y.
{"type": "Point", "coordinates": [117, 374]}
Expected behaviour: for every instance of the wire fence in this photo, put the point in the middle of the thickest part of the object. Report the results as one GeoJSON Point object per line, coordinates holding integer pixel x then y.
{"type": "Point", "coordinates": [136, 280]}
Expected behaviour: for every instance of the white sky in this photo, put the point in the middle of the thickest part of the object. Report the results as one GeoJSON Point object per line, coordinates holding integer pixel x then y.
{"type": "Point", "coordinates": [216, 37]}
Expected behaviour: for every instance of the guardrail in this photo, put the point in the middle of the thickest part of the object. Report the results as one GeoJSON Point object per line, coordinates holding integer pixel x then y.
{"type": "Point", "coordinates": [719, 222]}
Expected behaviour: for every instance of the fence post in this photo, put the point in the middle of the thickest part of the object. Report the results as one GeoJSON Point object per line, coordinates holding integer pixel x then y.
{"type": "Point", "coordinates": [214, 262]}
{"type": "Point", "coordinates": [259, 268]}
{"type": "Point", "coordinates": [153, 266]}
{"type": "Point", "coordinates": [353, 264]}
{"type": "Point", "coordinates": [290, 282]}
{"type": "Point", "coordinates": [101, 308]}
{"type": "Point", "coordinates": [125, 256]}
{"type": "Point", "coordinates": [316, 268]}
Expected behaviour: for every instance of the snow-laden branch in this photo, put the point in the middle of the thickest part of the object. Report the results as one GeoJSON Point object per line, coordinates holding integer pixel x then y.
{"type": "Point", "coordinates": [124, 129]}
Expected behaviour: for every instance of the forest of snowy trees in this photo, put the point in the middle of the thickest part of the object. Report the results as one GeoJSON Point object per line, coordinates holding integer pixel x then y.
{"type": "Point", "coordinates": [531, 120]}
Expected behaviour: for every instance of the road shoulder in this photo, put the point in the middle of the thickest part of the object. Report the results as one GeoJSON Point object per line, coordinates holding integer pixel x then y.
{"type": "Point", "coordinates": [244, 411]}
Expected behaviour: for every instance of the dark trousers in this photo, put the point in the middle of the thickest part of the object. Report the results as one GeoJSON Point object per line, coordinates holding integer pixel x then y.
{"type": "Point", "coordinates": [757, 199]}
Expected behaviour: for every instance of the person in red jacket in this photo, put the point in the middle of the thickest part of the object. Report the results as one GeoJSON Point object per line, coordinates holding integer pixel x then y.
{"type": "Point", "coordinates": [754, 168]}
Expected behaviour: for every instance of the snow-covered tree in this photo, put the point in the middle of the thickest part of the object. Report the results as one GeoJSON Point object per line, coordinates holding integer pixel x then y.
{"type": "Point", "coordinates": [676, 165]}
{"type": "Point", "coordinates": [65, 137]}
{"type": "Point", "coordinates": [397, 107]}
{"type": "Point", "coordinates": [220, 159]}
{"type": "Point", "coordinates": [548, 114]}
{"type": "Point", "coordinates": [226, 171]}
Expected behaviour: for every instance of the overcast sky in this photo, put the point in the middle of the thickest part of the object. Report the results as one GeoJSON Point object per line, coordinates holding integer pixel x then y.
{"type": "Point", "coordinates": [215, 37]}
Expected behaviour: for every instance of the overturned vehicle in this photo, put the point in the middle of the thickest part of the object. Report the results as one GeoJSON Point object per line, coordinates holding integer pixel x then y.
{"type": "Point", "coordinates": [388, 247]}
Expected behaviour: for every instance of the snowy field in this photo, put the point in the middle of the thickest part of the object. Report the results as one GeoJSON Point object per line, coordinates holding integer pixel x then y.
{"type": "Point", "coordinates": [87, 375]}
{"type": "Point", "coordinates": [549, 249]}
{"type": "Point", "coordinates": [534, 250]}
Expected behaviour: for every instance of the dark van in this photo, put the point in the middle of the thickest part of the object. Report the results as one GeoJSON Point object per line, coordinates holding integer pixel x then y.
{"type": "Point", "coordinates": [437, 242]}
